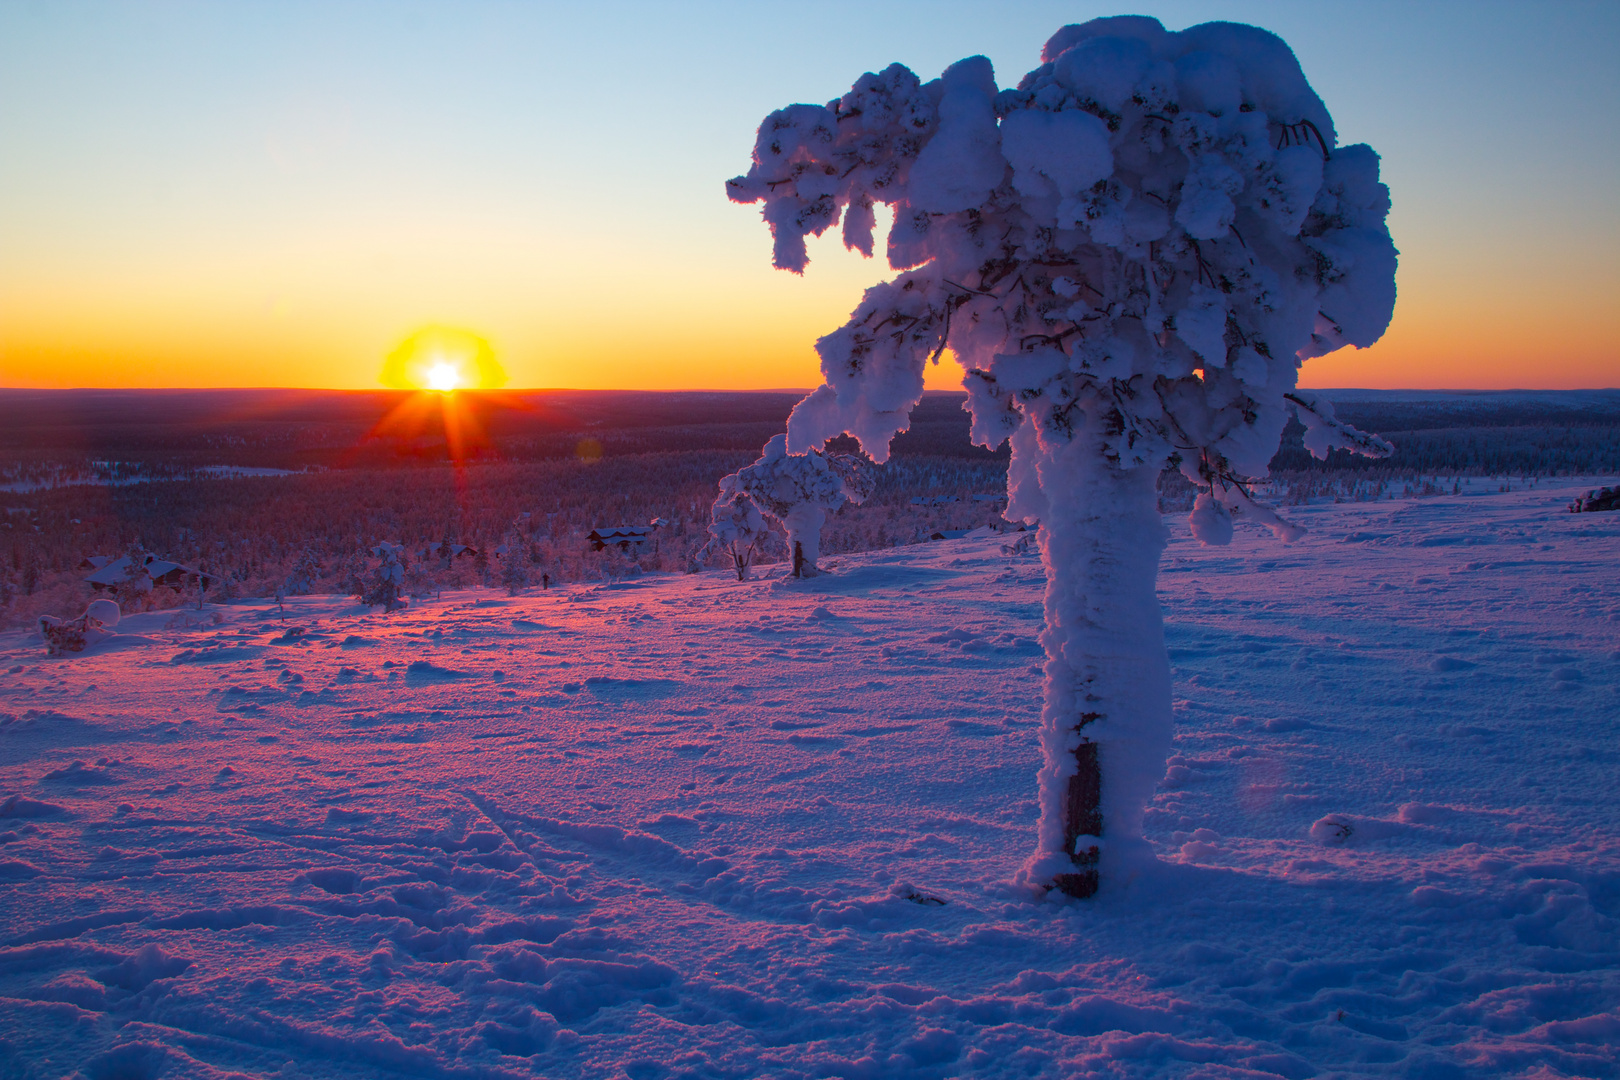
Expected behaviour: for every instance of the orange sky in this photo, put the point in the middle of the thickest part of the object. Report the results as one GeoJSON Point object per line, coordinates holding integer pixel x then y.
{"type": "Point", "coordinates": [347, 180]}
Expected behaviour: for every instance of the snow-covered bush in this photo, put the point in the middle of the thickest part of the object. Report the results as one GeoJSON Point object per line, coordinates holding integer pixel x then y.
{"type": "Point", "coordinates": [76, 635]}
{"type": "Point", "coordinates": [1130, 253]}
{"type": "Point", "coordinates": [736, 528]}
{"type": "Point", "coordinates": [798, 491]}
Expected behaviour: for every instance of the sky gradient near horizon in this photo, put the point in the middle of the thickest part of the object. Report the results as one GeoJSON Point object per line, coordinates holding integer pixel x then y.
{"type": "Point", "coordinates": [197, 194]}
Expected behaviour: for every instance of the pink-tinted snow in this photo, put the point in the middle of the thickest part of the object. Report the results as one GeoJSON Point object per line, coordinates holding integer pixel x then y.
{"type": "Point", "coordinates": [687, 826]}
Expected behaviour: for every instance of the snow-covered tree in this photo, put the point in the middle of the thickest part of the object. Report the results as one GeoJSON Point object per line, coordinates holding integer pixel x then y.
{"type": "Point", "coordinates": [1131, 254]}
{"type": "Point", "coordinates": [515, 566]}
{"type": "Point", "coordinates": [306, 572]}
{"type": "Point", "coordinates": [738, 529]}
{"type": "Point", "coordinates": [798, 491]}
{"type": "Point", "coordinates": [387, 579]}
{"type": "Point", "coordinates": [352, 576]}
{"type": "Point", "coordinates": [134, 584]}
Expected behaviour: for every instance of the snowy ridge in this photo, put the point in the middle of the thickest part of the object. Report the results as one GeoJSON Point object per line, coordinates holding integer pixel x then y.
{"type": "Point", "coordinates": [701, 827]}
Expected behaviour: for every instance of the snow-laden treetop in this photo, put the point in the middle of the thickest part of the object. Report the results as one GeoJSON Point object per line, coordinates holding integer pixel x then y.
{"type": "Point", "coordinates": [1153, 230]}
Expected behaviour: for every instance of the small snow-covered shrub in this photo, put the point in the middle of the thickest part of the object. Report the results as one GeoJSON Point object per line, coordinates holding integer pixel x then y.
{"type": "Point", "coordinates": [798, 491]}
{"type": "Point", "coordinates": [76, 635]}
{"type": "Point", "coordinates": [738, 529]}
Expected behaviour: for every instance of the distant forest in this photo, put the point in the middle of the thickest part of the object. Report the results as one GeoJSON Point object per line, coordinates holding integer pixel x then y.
{"type": "Point", "coordinates": [112, 472]}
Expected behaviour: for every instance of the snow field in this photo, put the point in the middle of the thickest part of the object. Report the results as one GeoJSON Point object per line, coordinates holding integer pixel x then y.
{"type": "Point", "coordinates": [687, 826]}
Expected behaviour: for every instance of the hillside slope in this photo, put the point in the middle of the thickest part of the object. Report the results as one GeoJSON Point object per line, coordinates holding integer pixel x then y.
{"type": "Point", "coordinates": [686, 826]}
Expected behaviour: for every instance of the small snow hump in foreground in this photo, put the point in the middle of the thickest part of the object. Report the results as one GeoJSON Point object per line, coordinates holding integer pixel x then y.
{"type": "Point", "coordinates": [1130, 253]}
{"type": "Point", "coordinates": [76, 635]}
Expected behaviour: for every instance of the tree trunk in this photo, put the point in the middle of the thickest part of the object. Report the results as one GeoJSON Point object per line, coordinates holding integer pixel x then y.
{"type": "Point", "coordinates": [1105, 729]}
{"type": "Point", "coordinates": [803, 524]}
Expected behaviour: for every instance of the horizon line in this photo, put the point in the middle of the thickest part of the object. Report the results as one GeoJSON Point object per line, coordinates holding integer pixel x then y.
{"type": "Point", "coordinates": [719, 390]}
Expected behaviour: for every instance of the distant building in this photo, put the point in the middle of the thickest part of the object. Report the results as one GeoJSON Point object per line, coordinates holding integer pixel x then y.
{"type": "Point", "coordinates": [626, 538]}
{"type": "Point", "coordinates": [111, 574]}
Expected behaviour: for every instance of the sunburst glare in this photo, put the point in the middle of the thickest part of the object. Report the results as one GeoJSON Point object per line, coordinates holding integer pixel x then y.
{"type": "Point", "coordinates": [443, 376]}
{"type": "Point", "coordinates": [443, 358]}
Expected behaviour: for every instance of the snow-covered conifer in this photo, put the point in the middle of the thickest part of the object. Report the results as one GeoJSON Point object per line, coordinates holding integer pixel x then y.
{"type": "Point", "coordinates": [1130, 253]}
{"type": "Point", "coordinates": [387, 580]}
{"type": "Point", "coordinates": [352, 578]}
{"type": "Point", "coordinates": [515, 566]}
{"type": "Point", "coordinates": [798, 491]}
{"type": "Point", "coordinates": [304, 574]}
{"type": "Point", "coordinates": [134, 583]}
{"type": "Point", "coordinates": [738, 529]}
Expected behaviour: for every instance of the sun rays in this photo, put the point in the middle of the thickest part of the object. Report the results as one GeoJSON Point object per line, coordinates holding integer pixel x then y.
{"type": "Point", "coordinates": [446, 366]}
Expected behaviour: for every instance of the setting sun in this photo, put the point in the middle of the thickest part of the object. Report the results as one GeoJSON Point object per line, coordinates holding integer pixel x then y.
{"type": "Point", "coordinates": [443, 377]}
{"type": "Point", "coordinates": [443, 358]}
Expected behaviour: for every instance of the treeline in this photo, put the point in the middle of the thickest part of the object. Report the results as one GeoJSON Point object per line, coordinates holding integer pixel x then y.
{"type": "Point", "coordinates": [253, 532]}
{"type": "Point", "coordinates": [258, 534]}
{"type": "Point", "coordinates": [1584, 449]}
{"type": "Point", "coordinates": [122, 435]}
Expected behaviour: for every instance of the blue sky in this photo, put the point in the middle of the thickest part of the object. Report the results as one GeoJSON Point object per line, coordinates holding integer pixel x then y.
{"type": "Point", "coordinates": [298, 186]}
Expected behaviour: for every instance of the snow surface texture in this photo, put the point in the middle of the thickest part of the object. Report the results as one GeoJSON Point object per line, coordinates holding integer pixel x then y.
{"type": "Point", "coordinates": [1131, 253]}
{"type": "Point", "coordinates": [696, 827]}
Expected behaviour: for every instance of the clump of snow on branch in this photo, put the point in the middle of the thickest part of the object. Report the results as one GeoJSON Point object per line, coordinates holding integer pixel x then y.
{"type": "Point", "coordinates": [797, 491]}
{"type": "Point", "coordinates": [1131, 253]}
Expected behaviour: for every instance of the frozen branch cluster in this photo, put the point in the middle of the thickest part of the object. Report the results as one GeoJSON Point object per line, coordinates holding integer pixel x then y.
{"type": "Point", "coordinates": [1147, 236]}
